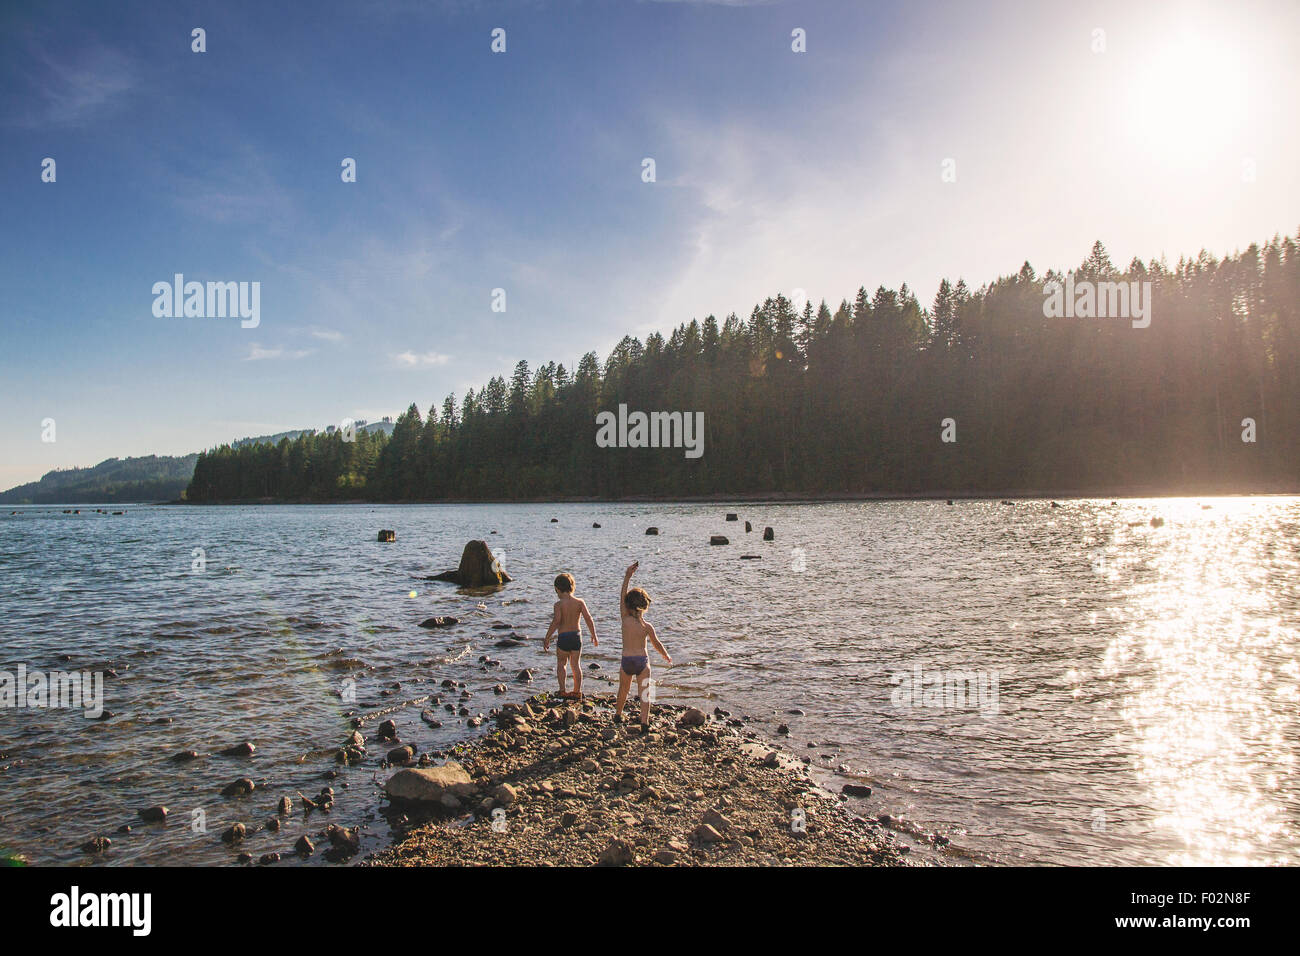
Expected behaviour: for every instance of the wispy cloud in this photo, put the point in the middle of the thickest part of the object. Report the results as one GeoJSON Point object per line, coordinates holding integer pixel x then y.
{"type": "Point", "coordinates": [327, 335]}
{"type": "Point", "coordinates": [410, 359]}
{"type": "Point", "coordinates": [70, 88]}
{"type": "Point", "coordinates": [257, 354]}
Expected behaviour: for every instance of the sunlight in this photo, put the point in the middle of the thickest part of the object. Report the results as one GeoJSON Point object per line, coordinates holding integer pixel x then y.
{"type": "Point", "coordinates": [1192, 75]}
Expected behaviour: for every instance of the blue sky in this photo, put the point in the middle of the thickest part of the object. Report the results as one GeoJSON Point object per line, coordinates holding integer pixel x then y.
{"type": "Point", "coordinates": [775, 170]}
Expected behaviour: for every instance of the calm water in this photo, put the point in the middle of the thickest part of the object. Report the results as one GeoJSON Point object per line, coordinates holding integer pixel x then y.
{"type": "Point", "coordinates": [1138, 685]}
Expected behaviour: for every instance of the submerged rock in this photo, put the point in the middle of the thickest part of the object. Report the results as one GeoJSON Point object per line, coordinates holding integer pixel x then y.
{"type": "Point", "coordinates": [240, 788]}
{"type": "Point", "coordinates": [387, 536]}
{"type": "Point", "coordinates": [246, 749]}
{"type": "Point", "coordinates": [440, 621]}
{"type": "Point", "coordinates": [97, 844]}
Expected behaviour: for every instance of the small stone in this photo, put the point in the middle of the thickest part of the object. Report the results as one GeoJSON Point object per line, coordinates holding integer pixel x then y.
{"type": "Point", "coordinates": [304, 846]}
{"type": "Point", "coordinates": [693, 717]}
{"type": "Point", "coordinates": [97, 844]}
{"type": "Point", "coordinates": [153, 814]}
{"type": "Point", "coordinates": [706, 834]}
{"type": "Point", "coordinates": [245, 749]}
{"type": "Point", "coordinates": [616, 853]}
{"type": "Point", "coordinates": [855, 790]}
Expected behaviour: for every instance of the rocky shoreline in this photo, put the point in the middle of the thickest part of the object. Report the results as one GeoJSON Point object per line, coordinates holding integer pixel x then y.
{"type": "Point", "coordinates": [560, 783]}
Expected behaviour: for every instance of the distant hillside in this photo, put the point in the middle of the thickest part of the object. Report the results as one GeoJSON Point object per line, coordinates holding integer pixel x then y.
{"type": "Point", "coordinates": [149, 478]}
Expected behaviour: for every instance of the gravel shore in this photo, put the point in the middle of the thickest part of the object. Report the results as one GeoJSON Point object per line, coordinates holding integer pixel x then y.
{"type": "Point", "coordinates": [560, 783]}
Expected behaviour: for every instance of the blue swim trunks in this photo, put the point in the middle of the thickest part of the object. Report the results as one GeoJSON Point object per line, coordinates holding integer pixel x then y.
{"type": "Point", "coordinates": [569, 641]}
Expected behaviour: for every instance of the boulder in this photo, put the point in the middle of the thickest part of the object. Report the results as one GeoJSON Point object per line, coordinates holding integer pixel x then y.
{"type": "Point", "coordinates": [651, 530]}
{"type": "Point", "coordinates": [505, 794]}
{"type": "Point", "coordinates": [235, 834]}
{"type": "Point", "coordinates": [245, 749]}
{"type": "Point", "coordinates": [429, 784]}
{"type": "Point", "coordinates": [731, 516]}
{"type": "Point", "coordinates": [478, 568]}
{"type": "Point", "coordinates": [304, 846]}
{"type": "Point", "coordinates": [595, 524]}
{"type": "Point", "coordinates": [718, 539]}
{"type": "Point", "coordinates": [387, 536]}
{"type": "Point", "coordinates": [748, 527]}
{"type": "Point", "coordinates": [769, 534]}
{"type": "Point", "coordinates": [153, 814]}
{"type": "Point", "coordinates": [855, 790]}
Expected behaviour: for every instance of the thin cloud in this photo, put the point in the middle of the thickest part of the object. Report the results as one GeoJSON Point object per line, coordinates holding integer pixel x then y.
{"type": "Point", "coordinates": [410, 359]}
{"type": "Point", "coordinates": [258, 354]}
{"type": "Point", "coordinates": [73, 88]}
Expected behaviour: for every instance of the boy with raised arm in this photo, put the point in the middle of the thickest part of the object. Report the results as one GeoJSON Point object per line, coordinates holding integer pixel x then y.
{"type": "Point", "coordinates": [636, 662]}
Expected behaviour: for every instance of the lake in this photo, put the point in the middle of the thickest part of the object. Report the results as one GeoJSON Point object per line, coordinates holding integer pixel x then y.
{"type": "Point", "coordinates": [1038, 685]}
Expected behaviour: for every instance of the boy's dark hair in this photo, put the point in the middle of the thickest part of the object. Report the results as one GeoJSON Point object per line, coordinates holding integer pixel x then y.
{"type": "Point", "coordinates": [564, 583]}
{"type": "Point", "coordinates": [637, 600]}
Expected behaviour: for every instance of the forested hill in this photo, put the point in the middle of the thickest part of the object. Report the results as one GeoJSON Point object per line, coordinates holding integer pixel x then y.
{"type": "Point", "coordinates": [149, 478]}
{"type": "Point", "coordinates": [852, 400]}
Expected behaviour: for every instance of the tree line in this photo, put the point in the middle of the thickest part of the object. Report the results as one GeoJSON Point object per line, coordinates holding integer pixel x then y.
{"type": "Point", "coordinates": [853, 400]}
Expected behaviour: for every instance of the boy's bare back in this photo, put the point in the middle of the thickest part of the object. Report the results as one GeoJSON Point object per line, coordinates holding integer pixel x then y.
{"type": "Point", "coordinates": [568, 613]}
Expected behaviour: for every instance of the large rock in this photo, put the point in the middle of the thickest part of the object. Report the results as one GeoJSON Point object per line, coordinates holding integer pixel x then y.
{"type": "Point", "coordinates": [478, 568]}
{"type": "Point", "coordinates": [429, 784]}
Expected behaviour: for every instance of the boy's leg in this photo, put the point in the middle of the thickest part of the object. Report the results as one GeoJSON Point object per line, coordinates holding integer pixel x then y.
{"type": "Point", "coordinates": [559, 669]}
{"type": "Point", "coordinates": [575, 661]}
{"type": "Point", "coordinates": [643, 688]}
{"type": "Point", "coordinates": [624, 683]}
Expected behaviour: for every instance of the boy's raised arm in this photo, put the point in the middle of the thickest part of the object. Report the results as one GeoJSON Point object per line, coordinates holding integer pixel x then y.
{"type": "Point", "coordinates": [622, 595]}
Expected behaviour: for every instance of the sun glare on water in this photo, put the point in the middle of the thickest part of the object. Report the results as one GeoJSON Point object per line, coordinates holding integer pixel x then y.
{"type": "Point", "coordinates": [1208, 684]}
